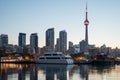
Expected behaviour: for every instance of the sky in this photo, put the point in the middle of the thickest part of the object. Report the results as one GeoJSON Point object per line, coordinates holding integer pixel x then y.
{"type": "Point", "coordinates": [31, 16]}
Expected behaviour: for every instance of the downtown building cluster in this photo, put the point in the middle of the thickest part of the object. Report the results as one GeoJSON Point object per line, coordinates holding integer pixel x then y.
{"type": "Point", "coordinates": [60, 46]}
{"type": "Point", "coordinates": [61, 42]}
{"type": "Point", "coordinates": [32, 47]}
{"type": "Point", "coordinates": [22, 47]}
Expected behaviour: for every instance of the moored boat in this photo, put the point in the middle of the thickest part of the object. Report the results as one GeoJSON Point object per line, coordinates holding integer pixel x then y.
{"type": "Point", "coordinates": [54, 58]}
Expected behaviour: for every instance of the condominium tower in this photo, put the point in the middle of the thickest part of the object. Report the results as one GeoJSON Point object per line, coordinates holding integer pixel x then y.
{"type": "Point", "coordinates": [50, 39]}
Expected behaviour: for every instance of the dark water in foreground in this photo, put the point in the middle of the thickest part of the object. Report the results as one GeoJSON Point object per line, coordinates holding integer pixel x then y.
{"type": "Point", "coordinates": [58, 72]}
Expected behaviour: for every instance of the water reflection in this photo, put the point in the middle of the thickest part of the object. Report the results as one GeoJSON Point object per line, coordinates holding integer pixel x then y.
{"type": "Point", "coordinates": [79, 72]}
{"type": "Point", "coordinates": [58, 72]}
{"type": "Point", "coordinates": [103, 72]}
{"type": "Point", "coordinates": [17, 71]}
{"type": "Point", "coordinates": [54, 72]}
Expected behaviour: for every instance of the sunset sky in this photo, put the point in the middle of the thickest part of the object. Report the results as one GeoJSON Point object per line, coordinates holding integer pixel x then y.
{"type": "Point", "coordinates": [29, 16]}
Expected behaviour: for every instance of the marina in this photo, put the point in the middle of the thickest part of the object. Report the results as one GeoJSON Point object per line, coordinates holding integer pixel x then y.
{"type": "Point", "coordinates": [60, 58]}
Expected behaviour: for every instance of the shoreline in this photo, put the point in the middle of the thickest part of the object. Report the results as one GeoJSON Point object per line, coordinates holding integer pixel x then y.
{"type": "Point", "coordinates": [92, 62]}
{"type": "Point", "coordinates": [19, 62]}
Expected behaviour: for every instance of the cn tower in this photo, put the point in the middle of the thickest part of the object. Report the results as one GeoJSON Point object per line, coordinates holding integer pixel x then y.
{"type": "Point", "coordinates": [86, 23]}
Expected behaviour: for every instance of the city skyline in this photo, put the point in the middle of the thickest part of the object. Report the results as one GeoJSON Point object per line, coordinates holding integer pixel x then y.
{"type": "Point", "coordinates": [38, 16]}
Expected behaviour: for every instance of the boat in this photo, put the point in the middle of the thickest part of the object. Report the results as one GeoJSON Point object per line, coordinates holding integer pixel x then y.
{"type": "Point", "coordinates": [54, 58]}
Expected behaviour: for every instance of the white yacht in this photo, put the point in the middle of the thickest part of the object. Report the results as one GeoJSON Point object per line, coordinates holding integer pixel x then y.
{"type": "Point", "coordinates": [54, 58]}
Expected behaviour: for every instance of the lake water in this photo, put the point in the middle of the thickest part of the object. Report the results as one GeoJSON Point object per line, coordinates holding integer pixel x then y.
{"type": "Point", "coordinates": [58, 72]}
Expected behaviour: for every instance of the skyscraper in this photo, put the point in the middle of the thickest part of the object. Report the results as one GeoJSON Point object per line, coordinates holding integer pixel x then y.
{"type": "Point", "coordinates": [50, 39]}
{"type": "Point", "coordinates": [3, 40]}
{"type": "Point", "coordinates": [22, 40]}
{"type": "Point", "coordinates": [58, 45]}
{"type": "Point", "coordinates": [63, 41]}
{"type": "Point", "coordinates": [34, 41]}
{"type": "Point", "coordinates": [83, 46]}
{"type": "Point", "coordinates": [70, 44]}
{"type": "Point", "coordinates": [86, 23]}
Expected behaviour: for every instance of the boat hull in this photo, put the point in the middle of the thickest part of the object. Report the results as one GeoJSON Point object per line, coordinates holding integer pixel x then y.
{"type": "Point", "coordinates": [55, 61]}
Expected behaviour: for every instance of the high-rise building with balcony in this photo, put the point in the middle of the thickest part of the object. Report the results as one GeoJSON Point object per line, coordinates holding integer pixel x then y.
{"type": "Point", "coordinates": [58, 45]}
{"type": "Point", "coordinates": [22, 39]}
{"type": "Point", "coordinates": [50, 39]}
{"type": "Point", "coordinates": [3, 40]}
{"type": "Point", "coordinates": [63, 41]}
{"type": "Point", "coordinates": [34, 41]}
{"type": "Point", "coordinates": [83, 46]}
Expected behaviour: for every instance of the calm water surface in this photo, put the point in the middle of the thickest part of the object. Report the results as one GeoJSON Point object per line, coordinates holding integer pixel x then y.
{"type": "Point", "coordinates": [58, 72]}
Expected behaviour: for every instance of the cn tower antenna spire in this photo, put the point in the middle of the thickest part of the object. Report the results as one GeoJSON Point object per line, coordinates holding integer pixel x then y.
{"type": "Point", "coordinates": [86, 6]}
{"type": "Point", "coordinates": [86, 11]}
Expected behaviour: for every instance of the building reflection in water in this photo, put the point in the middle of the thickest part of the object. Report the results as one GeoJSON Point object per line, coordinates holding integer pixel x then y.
{"type": "Point", "coordinates": [54, 72]}
{"type": "Point", "coordinates": [34, 73]}
{"type": "Point", "coordinates": [58, 72]}
{"type": "Point", "coordinates": [21, 73]}
{"type": "Point", "coordinates": [20, 69]}
{"type": "Point", "coordinates": [32, 70]}
{"type": "Point", "coordinates": [80, 72]}
{"type": "Point", "coordinates": [102, 72]}
{"type": "Point", "coordinates": [84, 71]}
{"type": "Point", "coordinates": [89, 72]}
{"type": "Point", "coordinates": [3, 76]}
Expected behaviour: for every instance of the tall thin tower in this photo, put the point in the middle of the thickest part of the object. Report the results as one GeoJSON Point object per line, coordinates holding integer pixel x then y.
{"type": "Point", "coordinates": [86, 23]}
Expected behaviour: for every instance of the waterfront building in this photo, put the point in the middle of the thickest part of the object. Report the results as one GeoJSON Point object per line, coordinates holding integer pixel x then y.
{"type": "Point", "coordinates": [17, 49]}
{"type": "Point", "coordinates": [71, 48]}
{"type": "Point", "coordinates": [34, 41]}
{"type": "Point", "coordinates": [9, 48]}
{"type": "Point", "coordinates": [63, 41]}
{"type": "Point", "coordinates": [58, 45]}
{"type": "Point", "coordinates": [22, 40]}
{"type": "Point", "coordinates": [70, 44]}
{"type": "Point", "coordinates": [83, 46]}
{"type": "Point", "coordinates": [105, 50]}
{"type": "Point", "coordinates": [94, 51]}
{"type": "Point", "coordinates": [76, 48]}
{"type": "Point", "coordinates": [3, 40]}
{"type": "Point", "coordinates": [29, 49]}
{"type": "Point", "coordinates": [50, 39]}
